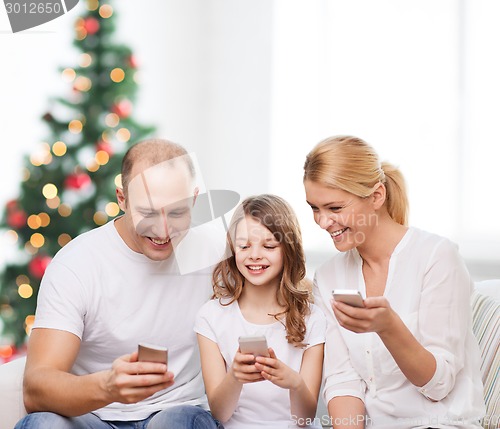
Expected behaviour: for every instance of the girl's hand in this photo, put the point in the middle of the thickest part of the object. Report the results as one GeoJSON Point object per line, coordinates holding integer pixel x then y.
{"type": "Point", "coordinates": [277, 372]}
{"type": "Point", "coordinates": [244, 370]}
{"type": "Point", "coordinates": [377, 315]}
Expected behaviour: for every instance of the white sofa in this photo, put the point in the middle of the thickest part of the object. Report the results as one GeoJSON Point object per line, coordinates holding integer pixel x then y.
{"type": "Point", "coordinates": [486, 324]}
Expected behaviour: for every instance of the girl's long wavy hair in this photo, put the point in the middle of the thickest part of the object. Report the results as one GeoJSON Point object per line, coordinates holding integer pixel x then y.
{"type": "Point", "coordinates": [279, 218]}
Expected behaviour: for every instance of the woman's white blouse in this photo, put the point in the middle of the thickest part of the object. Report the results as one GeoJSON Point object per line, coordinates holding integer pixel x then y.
{"type": "Point", "coordinates": [429, 288]}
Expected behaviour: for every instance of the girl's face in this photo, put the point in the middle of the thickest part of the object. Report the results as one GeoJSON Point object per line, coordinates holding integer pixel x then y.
{"type": "Point", "coordinates": [259, 256]}
{"type": "Point", "coordinates": [346, 217]}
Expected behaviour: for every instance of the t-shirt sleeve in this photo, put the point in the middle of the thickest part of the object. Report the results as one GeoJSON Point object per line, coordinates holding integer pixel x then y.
{"type": "Point", "coordinates": [316, 327]}
{"type": "Point", "coordinates": [61, 301]}
{"type": "Point", "coordinates": [205, 319]}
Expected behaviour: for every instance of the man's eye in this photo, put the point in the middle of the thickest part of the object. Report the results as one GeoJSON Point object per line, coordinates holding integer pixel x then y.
{"type": "Point", "coordinates": [177, 214]}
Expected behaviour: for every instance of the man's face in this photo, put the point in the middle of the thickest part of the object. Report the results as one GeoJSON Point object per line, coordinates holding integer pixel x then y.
{"type": "Point", "coordinates": [158, 207]}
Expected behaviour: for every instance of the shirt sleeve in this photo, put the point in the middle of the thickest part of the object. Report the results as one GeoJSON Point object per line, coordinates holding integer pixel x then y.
{"type": "Point", "coordinates": [316, 327]}
{"type": "Point", "coordinates": [340, 378]}
{"type": "Point", "coordinates": [203, 324]}
{"type": "Point", "coordinates": [445, 317]}
{"type": "Point", "coordinates": [61, 301]}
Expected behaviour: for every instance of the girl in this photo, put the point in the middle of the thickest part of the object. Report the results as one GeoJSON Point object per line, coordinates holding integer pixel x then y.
{"type": "Point", "coordinates": [259, 290]}
{"type": "Point", "coordinates": [408, 359]}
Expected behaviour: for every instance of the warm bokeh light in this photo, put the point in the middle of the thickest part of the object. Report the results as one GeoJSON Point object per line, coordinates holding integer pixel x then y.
{"type": "Point", "coordinates": [105, 11]}
{"type": "Point", "coordinates": [68, 75]}
{"type": "Point", "coordinates": [44, 218]}
{"type": "Point", "coordinates": [22, 279]}
{"type": "Point", "coordinates": [25, 174]}
{"type": "Point", "coordinates": [118, 181]}
{"type": "Point", "coordinates": [100, 218]}
{"type": "Point", "coordinates": [28, 248]}
{"type": "Point", "coordinates": [41, 156]}
{"type": "Point", "coordinates": [65, 210]}
{"type": "Point", "coordinates": [123, 134]}
{"type": "Point", "coordinates": [75, 126]}
{"type": "Point", "coordinates": [92, 166]}
{"type": "Point", "coordinates": [49, 191]}
{"type": "Point", "coordinates": [85, 60]}
{"type": "Point", "coordinates": [37, 240]}
{"type": "Point", "coordinates": [29, 321]}
{"type": "Point", "coordinates": [117, 75]}
{"type": "Point", "coordinates": [81, 33]}
{"type": "Point", "coordinates": [6, 351]}
{"type": "Point", "coordinates": [92, 4]}
{"type": "Point", "coordinates": [34, 221]}
{"type": "Point", "coordinates": [63, 239]}
{"type": "Point", "coordinates": [112, 120]}
{"type": "Point", "coordinates": [11, 236]}
{"type": "Point", "coordinates": [102, 157]}
{"type": "Point", "coordinates": [25, 291]}
{"type": "Point", "coordinates": [59, 148]}
{"type": "Point", "coordinates": [82, 83]}
{"type": "Point", "coordinates": [112, 209]}
{"type": "Point", "coordinates": [53, 203]}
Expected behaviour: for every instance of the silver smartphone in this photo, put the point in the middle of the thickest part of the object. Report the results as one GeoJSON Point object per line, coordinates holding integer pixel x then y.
{"type": "Point", "coordinates": [254, 345]}
{"type": "Point", "coordinates": [152, 353]}
{"type": "Point", "coordinates": [348, 296]}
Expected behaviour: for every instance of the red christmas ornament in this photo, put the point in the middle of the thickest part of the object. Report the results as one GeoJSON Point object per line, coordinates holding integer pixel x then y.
{"type": "Point", "coordinates": [77, 181]}
{"type": "Point", "coordinates": [123, 108]}
{"type": "Point", "coordinates": [105, 146]}
{"type": "Point", "coordinates": [38, 265]}
{"type": "Point", "coordinates": [132, 61]}
{"type": "Point", "coordinates": [16, 219]}
{"type": "Point", "coordinates": [91, 25]}
{"type": "Point", "coordinates": [12, 205]}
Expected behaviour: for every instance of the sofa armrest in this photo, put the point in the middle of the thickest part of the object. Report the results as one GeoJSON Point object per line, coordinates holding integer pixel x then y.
{"type": "Point", "coordinates": [11, 393]}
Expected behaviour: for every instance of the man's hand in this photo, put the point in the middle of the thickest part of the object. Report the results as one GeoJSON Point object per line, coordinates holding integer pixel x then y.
{"type": "Point", "coordinates": [129, 381]}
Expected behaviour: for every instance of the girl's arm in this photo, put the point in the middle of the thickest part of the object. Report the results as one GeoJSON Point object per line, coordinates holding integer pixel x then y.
{"type": "Point", "coordinates": [346, 412]}
{"type": "Point", "coordinates": [224, 388]}
{"type": "Point", "coordinates": [303, 386]}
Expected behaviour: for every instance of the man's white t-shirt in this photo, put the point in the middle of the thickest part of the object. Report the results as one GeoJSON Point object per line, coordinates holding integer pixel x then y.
{"type": "Point", "coordinates": [112, 298]}
{"type": "Point", "coordinates": [261, 405]}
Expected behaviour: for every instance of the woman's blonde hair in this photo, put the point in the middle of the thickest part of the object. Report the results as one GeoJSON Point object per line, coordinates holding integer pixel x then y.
{"type": "Point", "coordinates": [278, 217]}
{"type": "Point", "coordinates": [352, 165]}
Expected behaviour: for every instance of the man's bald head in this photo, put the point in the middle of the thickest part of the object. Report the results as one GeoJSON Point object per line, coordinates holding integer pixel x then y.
{"type": "Point", "coordinates": [149, 153]}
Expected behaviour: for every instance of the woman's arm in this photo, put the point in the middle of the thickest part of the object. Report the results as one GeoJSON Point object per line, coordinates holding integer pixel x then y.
{"type": "Point", "coordinates": [416, 363]}
{"type": "Point", "coordinates": [224, 388]}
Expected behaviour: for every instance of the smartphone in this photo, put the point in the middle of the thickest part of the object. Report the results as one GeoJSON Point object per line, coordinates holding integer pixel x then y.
{"type": "Point", "coordinates": [254, 345]}
{"type": "Point", "coordinates": [152, 353]}
{"type": "Point", "coordinates": [348, 296]}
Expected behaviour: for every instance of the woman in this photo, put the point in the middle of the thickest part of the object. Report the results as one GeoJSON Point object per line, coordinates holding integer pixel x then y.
{"type": "Point", "coordinates": [408, 358]}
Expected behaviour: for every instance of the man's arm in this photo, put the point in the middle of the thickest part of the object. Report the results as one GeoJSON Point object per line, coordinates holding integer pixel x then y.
{"type": "Point", "coordinates": [49, 386]}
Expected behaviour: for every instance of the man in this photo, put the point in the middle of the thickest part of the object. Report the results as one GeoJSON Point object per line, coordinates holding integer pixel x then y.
{"type": "Point", "coordinates": [116, 286]}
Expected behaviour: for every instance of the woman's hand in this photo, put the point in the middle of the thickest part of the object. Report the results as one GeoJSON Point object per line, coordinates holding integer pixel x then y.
{"type": "Point", "coordinates": [277, 372]}
{"type": "Point", "coordinates": [376, 316]}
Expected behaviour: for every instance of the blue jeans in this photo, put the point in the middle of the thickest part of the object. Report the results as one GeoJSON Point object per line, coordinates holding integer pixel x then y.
{"type": "Point", "coordinates": [180, 417]}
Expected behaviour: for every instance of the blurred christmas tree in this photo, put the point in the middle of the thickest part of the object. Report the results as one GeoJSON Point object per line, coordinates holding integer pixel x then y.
{"type": "Point", "coordinates": [69, 183]}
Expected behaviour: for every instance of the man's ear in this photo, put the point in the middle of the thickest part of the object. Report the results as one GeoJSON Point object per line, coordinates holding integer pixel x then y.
{"type": "Point", "coordinates": [379, 195]}
{"type": "Point", "coordinates": [120, 198]}
{"type": "Point", "coordinates": [196, 192]}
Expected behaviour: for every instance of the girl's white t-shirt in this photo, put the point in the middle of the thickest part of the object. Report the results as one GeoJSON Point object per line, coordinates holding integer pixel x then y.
{"type": "Point", "coordinates": [262, 404]}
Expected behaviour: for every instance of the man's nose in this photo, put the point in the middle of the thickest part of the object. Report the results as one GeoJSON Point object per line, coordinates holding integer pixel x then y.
{"type": "Point", "coordinates": [160, 226]}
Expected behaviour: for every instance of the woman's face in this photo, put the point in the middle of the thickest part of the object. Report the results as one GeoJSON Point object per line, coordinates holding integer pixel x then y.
{"type": "Point", "coordinates": [346, 217]}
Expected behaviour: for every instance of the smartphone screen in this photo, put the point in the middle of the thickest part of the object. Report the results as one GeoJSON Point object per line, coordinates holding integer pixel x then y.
{"type": "Point", "coordinates": [348, 296]}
